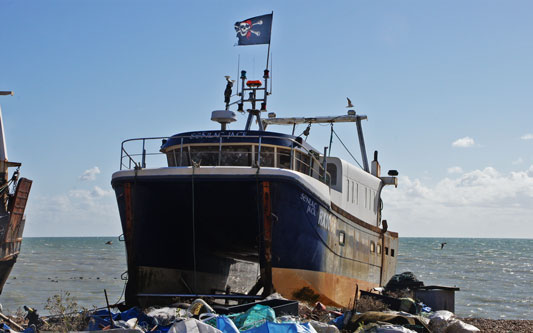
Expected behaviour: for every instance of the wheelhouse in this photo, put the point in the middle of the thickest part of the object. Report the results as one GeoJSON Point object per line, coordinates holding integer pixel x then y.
{"type": "Point", "coordinates": [245, 149]}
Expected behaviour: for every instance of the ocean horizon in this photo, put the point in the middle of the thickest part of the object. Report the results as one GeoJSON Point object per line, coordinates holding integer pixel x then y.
{"type": "Point", "coordinates": [495, 275]}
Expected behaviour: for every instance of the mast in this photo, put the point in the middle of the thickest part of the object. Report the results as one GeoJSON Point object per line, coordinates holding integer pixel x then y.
{"type": "Point", "coordinates": [253, 86]}
{"type": "Point", "coordinates": [4, 162]}
{"type": "Point", "coordinates": [3, 148]}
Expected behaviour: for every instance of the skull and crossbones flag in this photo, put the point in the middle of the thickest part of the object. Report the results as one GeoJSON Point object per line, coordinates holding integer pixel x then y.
{"type": "Point", "coordinates": [255, 30]}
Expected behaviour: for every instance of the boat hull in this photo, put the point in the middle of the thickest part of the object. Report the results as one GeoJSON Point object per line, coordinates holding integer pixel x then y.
{"type": "Point", "coordinates": [199, 232]}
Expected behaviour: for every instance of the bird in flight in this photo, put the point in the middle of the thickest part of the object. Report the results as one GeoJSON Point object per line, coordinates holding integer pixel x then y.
{"type": "Point", "coordinates": [350, 105]}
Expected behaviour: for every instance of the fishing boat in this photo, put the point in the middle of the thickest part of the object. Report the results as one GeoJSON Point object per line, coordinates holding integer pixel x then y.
{"type": "Point", "coordinates": [13, 198]}
{"type": "Point", "coordinates": [252, 210]}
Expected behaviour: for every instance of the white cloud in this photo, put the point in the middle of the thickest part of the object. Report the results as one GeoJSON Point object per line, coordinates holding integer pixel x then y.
{"type": "Point", "coordinates": [527, 136]}
{"type": "Point", "coordinates": [96, 192]}
{"type": "Point", "coordinates": [464, 142]}
{"type": "Point", "coordinates": [518, 161]}
{"type": "Point", "coordinates": [87, 212]}
{"type": "Point", "coordinates": [90, 174]}
{"type": "Point", "coordinates": [480, 203]}
{"type": "Point", "coordinates": [455, 169]}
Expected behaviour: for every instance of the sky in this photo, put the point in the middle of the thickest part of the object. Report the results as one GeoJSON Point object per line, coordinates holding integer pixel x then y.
{"type": "Point", "coordinates": [446, 85]}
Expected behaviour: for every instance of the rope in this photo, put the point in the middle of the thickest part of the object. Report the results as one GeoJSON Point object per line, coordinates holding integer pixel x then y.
{"type": "Point", "coordinates": [346, 148]}
{"type": "Point", "coordinates": [9, 182]}
{"type": "Point", "coordinates": [123, 290]}
{"type": "Point", "coordinates": [259, 219]}
{"type": "Point", "coordinates": [193, 228]}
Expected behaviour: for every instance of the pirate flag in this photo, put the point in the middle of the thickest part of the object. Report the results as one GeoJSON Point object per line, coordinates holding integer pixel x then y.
{"type": "Point", "coordinates": [255, 30]}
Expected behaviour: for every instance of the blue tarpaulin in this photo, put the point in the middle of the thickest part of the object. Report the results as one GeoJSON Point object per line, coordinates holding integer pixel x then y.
{"type": "Point", "coordinates": [271, 327]}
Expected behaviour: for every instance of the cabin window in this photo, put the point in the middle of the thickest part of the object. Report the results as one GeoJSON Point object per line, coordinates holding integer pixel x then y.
{"type": "Point", "coordinates": [357, 193]}
{"type": "Point", "coordinates": [379, 249]}
{"type": "Point", "coordinates": [267, 156]}
{"type": "Point", "coordinates": [171, 158]}
{"type": "Point", "coordinates": [177, 158]}
{"type": "Point", "coordinates": [372, 247]}
{"type": "Point", "coordinates": [353, 186]}
{"type": "Point", "coordinates": [302, 162]}
{"type": "Point", "coordinates": [342, 238]}
{"type": "Point", "coordinates": [392, 252]}
{"type": "Point", "coordinates": [386, 250]}
{"type": "Point", "coordinates": [236, 155]}
{"type": "Point", "coordinates": [284, 158]}
{"type": "Point", "coordinates": [332, 170]}
{"type": "Point", "coordinates": [204, 155]}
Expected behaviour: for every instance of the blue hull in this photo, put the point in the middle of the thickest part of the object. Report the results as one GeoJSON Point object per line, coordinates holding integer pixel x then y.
{"type": "Point", "coordinates": [184, 234]}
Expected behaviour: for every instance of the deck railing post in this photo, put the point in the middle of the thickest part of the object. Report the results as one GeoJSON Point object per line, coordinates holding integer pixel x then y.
{"type": "Point", "coordinates": [292, 157]}
{"type": "Point", "coordinates": [325, 164]}
{"type": "Point", "coordinates": [259, 153]}
{"type": "Point", "coordinates": [181, 152]}
{"type": "Point", "coordinates": [144, 155]}
{"type": "Point", "coordinates": [219, 150]}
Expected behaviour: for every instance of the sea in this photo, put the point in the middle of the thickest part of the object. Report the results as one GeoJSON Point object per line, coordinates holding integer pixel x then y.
{"type": "Point", "coordinates": [495, 276]}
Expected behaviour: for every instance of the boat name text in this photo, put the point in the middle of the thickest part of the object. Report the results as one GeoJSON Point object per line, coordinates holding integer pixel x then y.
{"type": "Point", "coordinates": [311, 204]}
{"type": "Point", "coordinates": [216, 134]}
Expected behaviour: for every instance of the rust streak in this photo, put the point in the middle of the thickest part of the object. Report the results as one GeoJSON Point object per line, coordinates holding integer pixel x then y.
{"type": "Point", "coordinates": [267, 238]}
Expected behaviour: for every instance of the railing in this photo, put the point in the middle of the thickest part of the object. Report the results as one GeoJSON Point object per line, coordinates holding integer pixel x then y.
{"type": "Point", "coordinates": [150, 149]}
{"type": "Point", "coordinates": [130, 161]}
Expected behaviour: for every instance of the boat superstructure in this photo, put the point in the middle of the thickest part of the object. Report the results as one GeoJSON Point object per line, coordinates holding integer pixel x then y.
{"type": "Point", "coordinates": [252, 211]}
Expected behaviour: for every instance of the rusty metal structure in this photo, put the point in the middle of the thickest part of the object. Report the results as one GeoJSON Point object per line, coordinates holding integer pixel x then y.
{"type": "Point", "coordinates": [14, 194]}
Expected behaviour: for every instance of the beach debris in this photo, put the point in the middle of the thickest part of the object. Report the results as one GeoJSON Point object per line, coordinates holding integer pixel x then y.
{"type": "Point", "coordinates": [274, 315]}
{"type": "Point", "coordinates": [405, 280]}
{"type": "Point", "coordinates": [396, 318]}
{"type": "Point", "coordinates": [458, 326]}
{"type": "Point", "coordinates": [33, 317]}
{"type": "Point", "coordinates": [108, 308]}
{"type": "Point", "coordinates": [445, 322]}
{"type": "Point", "coordinates": [198, 307]}
{"type": "Point", "coordinates": [191, 325]}
{"type": "Point", "coordinates": [6, 318]}
{"type": "Point", "coordinates": [109, 242]}
{"type": "Point", "coordinates": [322, 327]}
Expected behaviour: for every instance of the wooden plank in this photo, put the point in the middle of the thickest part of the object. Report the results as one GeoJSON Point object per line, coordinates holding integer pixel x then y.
{"type": "Point", "coordinates": [16, 222]}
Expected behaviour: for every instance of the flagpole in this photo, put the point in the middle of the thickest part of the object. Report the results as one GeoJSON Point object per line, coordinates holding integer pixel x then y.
{"type": "Point", "coordinates": [268, 52]}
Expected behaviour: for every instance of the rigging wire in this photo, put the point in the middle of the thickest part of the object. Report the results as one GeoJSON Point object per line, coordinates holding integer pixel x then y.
{"type": "Point", "coordinates": [346, 148]}
{"type": "Point", "coordinates": [330, 140]}
{"type": "Point", "coordinates": [122, 294]}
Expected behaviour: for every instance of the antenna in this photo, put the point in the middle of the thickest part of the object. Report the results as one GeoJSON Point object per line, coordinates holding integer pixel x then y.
{"type": "Point", "coordinates": [238, 71]}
